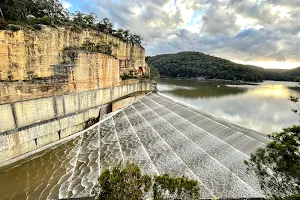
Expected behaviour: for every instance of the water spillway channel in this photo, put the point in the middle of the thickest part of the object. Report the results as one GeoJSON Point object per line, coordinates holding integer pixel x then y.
{"type": "Point", "coordinates": [158, 134]}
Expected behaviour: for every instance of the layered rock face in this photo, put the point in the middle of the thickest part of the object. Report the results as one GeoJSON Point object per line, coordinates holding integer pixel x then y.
{"type": "Point", "coordinates": [35, 59]}
{"type": "Point", "coordinates": [51, 87]}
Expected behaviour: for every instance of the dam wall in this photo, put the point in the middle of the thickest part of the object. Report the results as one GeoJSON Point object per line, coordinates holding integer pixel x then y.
{"type": "Point", "coordinates": [53, 84]}
{"type": "Point", "coordinates": [30, 124]}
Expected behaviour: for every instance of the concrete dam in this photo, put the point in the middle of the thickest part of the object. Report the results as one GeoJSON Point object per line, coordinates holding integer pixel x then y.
{"type": "Point", "coordinates": [158, 134]}
{"type": "Point", "coordinates": [67, 115]}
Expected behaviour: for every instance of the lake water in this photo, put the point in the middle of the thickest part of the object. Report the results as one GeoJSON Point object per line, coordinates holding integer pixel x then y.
{"type": "Point", "coordinates": [264, 107]}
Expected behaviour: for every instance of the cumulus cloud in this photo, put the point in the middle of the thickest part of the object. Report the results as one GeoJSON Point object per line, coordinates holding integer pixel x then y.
{"type": "Point", "coordinates": [247, 31]}
{"type": "Point", "coordinates": [66, 4]}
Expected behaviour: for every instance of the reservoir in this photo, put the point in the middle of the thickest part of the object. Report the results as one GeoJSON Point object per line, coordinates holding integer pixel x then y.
{"type": "Point", "coordinates": [264, 107]}
{"type": "Point", "coordinates": [164, 136]}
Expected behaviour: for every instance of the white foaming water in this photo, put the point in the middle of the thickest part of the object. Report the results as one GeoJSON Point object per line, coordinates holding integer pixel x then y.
{"type": "Point", "coordinates": [159, 135]}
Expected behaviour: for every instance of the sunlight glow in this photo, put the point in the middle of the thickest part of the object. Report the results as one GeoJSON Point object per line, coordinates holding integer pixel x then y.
{"type": "Point", "coordinates": [271, 64]}
{"type": "Point", "coordinates": [278, 91]}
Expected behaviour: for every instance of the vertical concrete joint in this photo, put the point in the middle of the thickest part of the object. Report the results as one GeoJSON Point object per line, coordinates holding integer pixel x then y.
{"type": "Point", "coordinates": [13, 108]}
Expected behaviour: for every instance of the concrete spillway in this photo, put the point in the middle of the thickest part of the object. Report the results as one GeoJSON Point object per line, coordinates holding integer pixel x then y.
{"type": "Point", "coordinates": [161, 136]}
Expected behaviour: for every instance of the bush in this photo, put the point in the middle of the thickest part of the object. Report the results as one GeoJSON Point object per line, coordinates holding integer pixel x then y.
{"type": "Point", "coordinates": [29, 12]}
{"type": "Point", "coordinates": [166, 187]}
{"type": "Point", "coordinates": [129, 183]}
{"type": "Point", "coordinates": [3, 24]}
{"type": "Point", "coordinates": [122, 183]}
{"type": "Point", "coordinates": [45, 20]}
{"type": "Point", "coordinates": [14, 27]}
{"type": "Point", "coordinates": [100, 47]}
{"type": "Point", "coordinates": [277, 166]}
{"type": "Point", "coordinates": [125, 76]}
{"type": "Point", "coordinates": [154, 73]}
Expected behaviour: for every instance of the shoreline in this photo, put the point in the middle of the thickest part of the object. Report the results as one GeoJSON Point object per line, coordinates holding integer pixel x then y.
{"type": "Point", "coordinates": [214, 80]}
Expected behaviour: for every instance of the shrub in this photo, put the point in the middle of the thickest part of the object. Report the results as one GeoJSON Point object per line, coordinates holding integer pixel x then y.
{"type": "Point", "coordinates": [3, 24]}
{"type": "Point", "coordinates": [45, 20]}
{"type": "Point", "coordinates": [166, 187]}
{"type": "Point", "coordinates": [31, 12]}
{"type": "Point", "coordinates": [122, 183]}
{"type": "Point", "coordinates": [129, 183]}
{"type": "Point", "coordinates": [100, 47]}
{"type": "Point", "coordinates": [37, 27]}
{"type": "Point", "coordinates": [14, 27]}
{"type": "Point", "coordinates": [277, 166]}
{"type": "Point", "coordinates": [125, 76]}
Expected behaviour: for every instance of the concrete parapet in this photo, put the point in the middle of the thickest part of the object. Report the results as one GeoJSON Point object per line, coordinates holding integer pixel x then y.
{"type": "Point", "coordinates": [7, 121]}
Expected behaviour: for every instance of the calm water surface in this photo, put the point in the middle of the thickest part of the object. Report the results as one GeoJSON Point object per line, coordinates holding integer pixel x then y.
{"type": "Point", "coordinates": [264, 107]}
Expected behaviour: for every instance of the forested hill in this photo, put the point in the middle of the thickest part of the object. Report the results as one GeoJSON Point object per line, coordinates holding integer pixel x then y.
{"type": "Point", "coordinates": [196, 64]}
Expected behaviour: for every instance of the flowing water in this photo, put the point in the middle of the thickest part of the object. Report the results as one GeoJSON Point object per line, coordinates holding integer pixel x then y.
{"type": "Point", "coordinates": [161, 136]}
{"type": "Point", "coordinates": [263, 107]}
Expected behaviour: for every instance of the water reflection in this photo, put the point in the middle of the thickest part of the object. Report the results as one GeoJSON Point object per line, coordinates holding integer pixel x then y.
{"type": "Point", "coordinates": [197, 89]}
{"type": "Point", "coordinates": [264, 107]}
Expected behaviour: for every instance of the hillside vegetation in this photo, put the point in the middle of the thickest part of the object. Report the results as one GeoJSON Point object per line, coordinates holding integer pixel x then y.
{"type": "Point", "coordinates": [196, 64]}
{"type": "Point", "coordinates": [32, 14]}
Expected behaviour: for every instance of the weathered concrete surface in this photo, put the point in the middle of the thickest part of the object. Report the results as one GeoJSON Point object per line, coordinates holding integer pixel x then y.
{"type": "Point", "coordinates": [125, 102]}
{"type": "Point", "coordinates": [28, 125]}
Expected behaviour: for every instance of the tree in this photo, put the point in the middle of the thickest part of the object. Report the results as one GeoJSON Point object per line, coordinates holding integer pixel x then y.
{"type": "Point", "coordinates": [122, 183]}
{"type": "Point", "coordinates": [167, 187]}
{"type": "Point", "coordinates": [136, 39]}
{"type": "Point", "coordinates": [154, 73]}
{"type": "Point", "coordinates": [277, 166]}
{"type": "Point", "coordinates": [90, 19]}
{"type": "Point", "coordinates": [119, 33]}
{"type": "Point", "coordinates": [196, 64]}
{"type": "Point", "coordinates": [19, 10]}
{"type": "Point", "coordinates": [295, 100]}
{"type": "Point", "coordinates": [78, 19]}
{"type": "Point", "coordinates": [126, 36]}
{"type": "Point", "coordinates": [51, 12]}
{"type": "Point", "coordinates": [105, 26]}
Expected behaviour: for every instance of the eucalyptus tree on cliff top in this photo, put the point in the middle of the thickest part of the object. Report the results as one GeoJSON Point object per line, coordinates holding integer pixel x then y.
{"type": "Point", "coordinates": [28, 13]}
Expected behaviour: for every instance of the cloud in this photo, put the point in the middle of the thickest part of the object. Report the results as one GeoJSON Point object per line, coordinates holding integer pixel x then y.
{"type": "Point", "coordinates": [66, 4]}
{"type": "Point", "coordinates": [248, 31]}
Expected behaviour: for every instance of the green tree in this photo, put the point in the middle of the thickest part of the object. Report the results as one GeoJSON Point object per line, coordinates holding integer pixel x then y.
{"type": "Point", "coordinates": [196, 64]}
{"type": "Point", "coordinates": [19, 10]}
{"type": "Point", "coordinates": [78, 19]}
{"type": "Point", "coordinates": [119, 33]}
{"type": "Point", "coordinates": [167, 187]}
{"type": "Point", "coordinates": [126, 35]}
{"type": "Point", "coordinates": [105, 26]}
{"type": "Point", "coordinates": [154, 73]}
{"type": "Point", "coordinates": [128, 182]}
{"type": "Point", "coordinates": [136, 39]}
{"type": "Point", "coordinates": [15, 14]}
{"type": "Point", "coordinates": [90, 19]}
{"type": "Point", "coordinates": [277, 166]}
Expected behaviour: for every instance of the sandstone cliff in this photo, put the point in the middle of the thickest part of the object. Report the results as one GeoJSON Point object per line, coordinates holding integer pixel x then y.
{"type": "Point", "coordinates": [36, 63]}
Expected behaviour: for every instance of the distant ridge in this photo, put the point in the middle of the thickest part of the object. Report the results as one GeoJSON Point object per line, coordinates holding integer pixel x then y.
{"type": "Point", "coordinates": [191, 64]}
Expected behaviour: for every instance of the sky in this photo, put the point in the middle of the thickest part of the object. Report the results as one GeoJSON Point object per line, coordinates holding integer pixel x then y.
{"type": "Point", "coordinates": [265, 33]}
